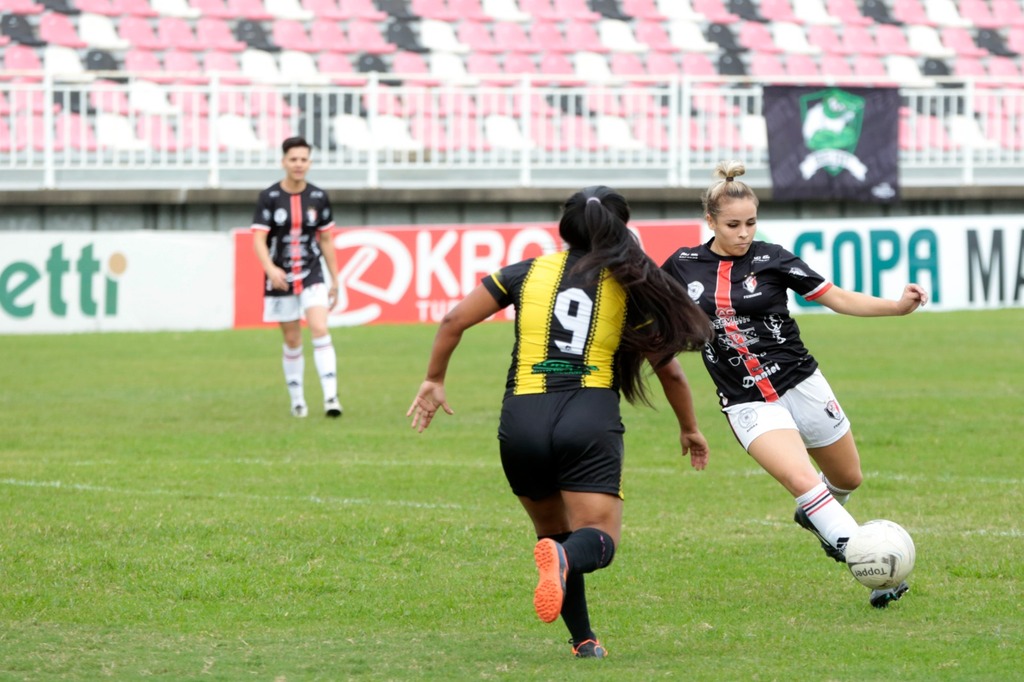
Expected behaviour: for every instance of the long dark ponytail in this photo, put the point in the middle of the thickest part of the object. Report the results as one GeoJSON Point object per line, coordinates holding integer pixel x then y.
{"type": "Point", "coordinates": [594, 221]}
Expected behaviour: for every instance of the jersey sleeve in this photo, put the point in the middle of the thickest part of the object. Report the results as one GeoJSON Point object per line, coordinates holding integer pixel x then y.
{"type": "Point", "coordinates": [504, 283]}
{"type": "Point", "coordinates": [264, 211]}
{"type": "Point", "coordinates": [800, 277]}
{"type": "Point", "coordinates": [326, 215]}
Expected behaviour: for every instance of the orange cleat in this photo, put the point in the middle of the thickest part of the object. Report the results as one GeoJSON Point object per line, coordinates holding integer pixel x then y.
{"type": "Point", "coordinates": [552, 568]}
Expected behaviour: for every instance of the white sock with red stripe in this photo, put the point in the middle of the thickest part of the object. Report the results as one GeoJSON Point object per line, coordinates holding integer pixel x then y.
{"type": "Point", "coordinates": [842, 496]}
{"type": "Point", "coordinates": [327, 365]}
{"type": "Point", "coordinates": [294, 364]}
{"type": "Point", "coordinates": [833, 522]}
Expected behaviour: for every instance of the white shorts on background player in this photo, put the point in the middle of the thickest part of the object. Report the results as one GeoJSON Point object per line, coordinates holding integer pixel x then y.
{"type": "Point", "coordinates": [809, 407]}
{"type": "Point", "coordinates": [290, 308]}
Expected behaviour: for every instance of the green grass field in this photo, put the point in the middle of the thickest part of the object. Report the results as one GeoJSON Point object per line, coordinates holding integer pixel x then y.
{"type": "Point", "coordinates": [163, 517]}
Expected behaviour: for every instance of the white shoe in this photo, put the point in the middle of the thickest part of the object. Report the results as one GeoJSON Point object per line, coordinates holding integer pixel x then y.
{"type": "Point", "coordinates": [332, 408]}
{"type": "Point", "coordinates": [300, 410]}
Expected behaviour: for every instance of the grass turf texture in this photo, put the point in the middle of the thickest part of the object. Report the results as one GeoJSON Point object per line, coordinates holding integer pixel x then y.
{"type": "Point", "coordinates": [163, 517]}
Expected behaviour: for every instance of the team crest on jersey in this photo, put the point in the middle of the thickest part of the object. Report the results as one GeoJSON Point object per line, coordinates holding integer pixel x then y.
{"type": "Point", "coordinates": [750, 283]}
{"type": "Point", "coordinates": [280, 216]}
{"type": "Point", "coordinates": [833, 410]}
{"type": "Point", "coordinates": [695, 289]}
{"type": "Point", "coordinates": [311, 216]}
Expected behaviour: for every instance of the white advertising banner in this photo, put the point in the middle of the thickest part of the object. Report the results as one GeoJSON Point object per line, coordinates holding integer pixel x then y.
{"type": "Point", "coordinates": [965, 262]}
{"type": "Point", "coordinates": [56, 282]}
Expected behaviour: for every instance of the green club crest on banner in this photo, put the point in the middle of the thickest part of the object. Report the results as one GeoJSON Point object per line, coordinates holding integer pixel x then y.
{"type": "Point", "coordinates": [832, 120]}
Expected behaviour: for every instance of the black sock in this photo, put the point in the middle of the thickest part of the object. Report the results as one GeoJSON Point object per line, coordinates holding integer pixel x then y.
{"type": "Point", "coordinates": [574, 605]}
{"type": "Point", "coordinates": [588, 549]}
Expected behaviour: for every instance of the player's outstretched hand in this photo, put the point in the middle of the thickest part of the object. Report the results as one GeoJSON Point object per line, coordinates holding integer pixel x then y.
{"type": "Point", "coordinates": [430, 397]}
{"type": "Point", "coordinates": [913, 297]}
{"type": "Point", "coordinates": [695, 443]}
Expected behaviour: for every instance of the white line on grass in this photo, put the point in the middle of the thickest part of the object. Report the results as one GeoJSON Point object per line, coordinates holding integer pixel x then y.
{"type": "Point", "coordinates": [315, 499]}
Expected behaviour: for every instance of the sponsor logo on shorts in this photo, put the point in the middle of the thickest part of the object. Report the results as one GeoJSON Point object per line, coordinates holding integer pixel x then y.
{"type": "Point", "coordinates": [747, 419]}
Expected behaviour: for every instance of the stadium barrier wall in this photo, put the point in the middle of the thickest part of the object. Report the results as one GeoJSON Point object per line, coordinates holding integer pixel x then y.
{"type": "Point", "coordinates": [60, 282]}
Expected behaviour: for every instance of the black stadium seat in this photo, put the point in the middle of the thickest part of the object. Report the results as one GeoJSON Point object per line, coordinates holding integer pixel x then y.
{"type": "Point", "coordinates": [17, 28]}
{"type": "Point", "coordinates": [723, 36]}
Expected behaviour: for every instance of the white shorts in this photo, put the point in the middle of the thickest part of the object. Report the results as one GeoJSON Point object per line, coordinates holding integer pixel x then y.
{"type": "Point", "coordinates": [290, 308]}
{"type": "Point", "coordinates": [809, 407]}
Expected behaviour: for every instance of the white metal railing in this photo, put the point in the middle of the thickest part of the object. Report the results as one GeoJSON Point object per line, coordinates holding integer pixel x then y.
{"type": "Point", "coordinates": [387, 130]}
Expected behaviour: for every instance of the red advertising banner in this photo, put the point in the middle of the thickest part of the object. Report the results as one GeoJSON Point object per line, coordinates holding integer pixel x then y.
{"type": "Point", "coordinates": [418, 273]}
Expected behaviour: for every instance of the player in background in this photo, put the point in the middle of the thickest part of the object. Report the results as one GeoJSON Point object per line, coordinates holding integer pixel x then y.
{"type": "Point", "coordinates": [779, 405]}
{"type": "Point", "coordinates": [586, 320]}
{"type": "Point", "coordinates": [292, 235]}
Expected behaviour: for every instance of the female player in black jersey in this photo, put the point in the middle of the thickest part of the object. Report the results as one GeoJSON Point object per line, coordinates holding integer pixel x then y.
{"type": "Point", "coordinates": [586, 319]}
{"type": "Point", "coordinates": [292, 230]}
{"type": "Point", "coordinates": [779, 405]}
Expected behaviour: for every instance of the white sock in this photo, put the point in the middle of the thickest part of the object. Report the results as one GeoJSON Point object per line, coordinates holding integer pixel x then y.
{"type": "Point", "coordinates": [327, 365]}
{"type": "Point", "coordinates": [294, 368]}
{"type": "Point", "coordinates": [842, 496]}
{"type": "Point", "coordinates": [833, 522]}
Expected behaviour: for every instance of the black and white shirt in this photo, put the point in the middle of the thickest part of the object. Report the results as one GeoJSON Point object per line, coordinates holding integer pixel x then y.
{"type": "Point", "coordinates": [294, 222]}
{"type": "Point", "coordinates": [757, 354]}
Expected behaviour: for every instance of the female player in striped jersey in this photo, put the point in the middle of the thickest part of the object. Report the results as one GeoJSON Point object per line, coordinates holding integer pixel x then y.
{"type": "Point", "coordinates": [780, 407]}
{"type": "Point", "coordinates": [586, 320]}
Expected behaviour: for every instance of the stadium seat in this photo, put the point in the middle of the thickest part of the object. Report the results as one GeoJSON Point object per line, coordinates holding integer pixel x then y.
{"type": "Point", "coordinates": [617, 36]}
{"type": "Point", "coordinates": [57, 29]}
{"type": "Point", "coordinates": [404, 36]}
{"type": "Point", "coordinates": [731, 64]}
{"type": "Point", "coordinates": [409, 63]}
{"type": "Point", "coordinates": [694, 64]}
{"type": "Point", "coordinates": [609, 9]}
{"type": "Point", "coordinates": [365, 36]}
{"type": "Point", "coordinates": [558, 64]}
{"type": "Point", "coordinates": [436, 10]}
{"type": "Point", "coordinates": [1007, 12]}
{"type": "Point", "coordinates": [73, 131]}
{"type": "Point", "coordinates": [1004, 67]}
{"type": "Point", "coordinates": [756, 37]}
{"type": "Point", "coordinates": [100, 60]}
{"type": "Point", "coordinates": [216, 9]}
{"type": "Point", "coordinates": [17, 28]}
{"type": "Point", "coordinates": [813, 12]}
{"type": "Point", "coordinates": [723, 36]}
{"type": "Point", "coordinates": [961, 42]}
{"type": "Point", "coordinates": [288, 9]}
{"type": "Point", "coordinates": [183, 66]}
{"type": "Point", "coordinates": [237, 134]}
{"type": "Point", "coordinates": [512, 37]}
{"type": "Point", "coordinates": [104, 7]}
{"type": "Point", "coordinates": [289, 34]}
{"type": "Point", "coordinates": [790, 38]}
{"type": "Point", "coordinates": [396, 9]}
{"type": "Point", "coordinates": [911, 12]}
{"type": "Point", "coordinates": [505, 10]}
{"type": "Point", "coordinates": [965, 131]}
{"type": "Point", "coordinates": [477, 35]}
{"type": "Point", "coordinates": [327, 36]}
{"type": "Point", "coordinates": [157, 132]}
{"type": "Point", "coordinates": [591, 66]}
{"type": "Point", "coordinates": [653, 34]}
{"type": "Point", "coordinates": [754, 131]}
{"type": "Point", "coordinates": [615, 133]}
{"type": "Point", "coordinates": [224, 66]}
{"type": "Point", "coordinates": [503, 132]}
{"type": "Point", "coordinates": [945, 13]}
{"type": "Point", "coordinates": [766, 66]}
{"type": "Point", "coordinates": [836, 66]}
{"type": "Point", "coordinates": [23, 58]}
{"type": "Point", "coordinates": [1015, 39]}
{"type": "Point", "coordinates": [925, 41]}
{"type": "Point", "coordinates": [254, 10]}
{"type": "Point", "coordinates": [485, 64]}
{"type": "Point", "coordinates": [30, 130]}
{"type": "Point", "coordinates": [551, 37]}
{"type": "Point", "coordinates": [260, 66]}
{"type": "Point", "coordinates": [149, 97]}
{"type": "Point", "coordinates": [178, 35]}
{"type": "Point", "coordinates": [892, 40]}
{"type": "Point", "coordinates": [61, 6]}
{"type": "Point", "coordinates": [196, 131]}
{"type": "Point", "coordinates": [923, 133]}
{"type": "Point", "coordinates": [687, 36]}
{"type": "Point", "coordinates": [189, 101]}
{"type": "Point", "coordinates": [135, 8]}
{"type": "Point", "coordinates": [905, 71]}
{"type": "Point", "coordinates": [575, 10]}
{"type": "Point", "coordinates": [468, 10]}
{"type": "Point", "coordinates": [779, 10]}
{"type": "Point", "coordinates": [802, 65]}
{"type": "Point", "coordinates": [98, 31]}
{"type": "Point", "coordinates": [63, 64]}
{"type": "Point", "coordinates": [392, 133]}
{"type": "Point", "coordinates": [848, 13]}
{"type": "Point", "coordinates": [144, 63]}
{"type": "Point", "coordinates": [826, 39]}
{"type": "Point", "coordinates": [21, 7]}
{"type": "Point", "coordinates": [114, 131]}
{"type": "Point", "coordinates": [746, 10]}
{"type": "Point", "coordinates": [216, 35]}
{"type": "Point", "coordinates": [647, 10]}
{"type": "Point", "coordinates": [448, 67]}
{"type": "Point", "coordinates": [252, 33]}
{"type": "Point", "coordinates": [712, 10]}
{"type": "Point", "coordinates": [869, 66]}
{"type": "Point", "coordinates": [365, 10]}
{"type": "Point", "coordinates": [350, 131]}
{"type": "Point", "coordinates": [878, 11]}
{"type": "Point", "coordinates": [583, 37]}
{"type": "Point", "coordinates": [330, 10]}
{"type": "Point", "coordinates": [369, 63]}
{"type": "Point", "coordinates": [439, 36]}
{"type": "Point", "coordinates": [627, 64]}
{"type": "Point", "coordinates": [338, 67]}
{"type": "Point", "coordinates": [273, 130]}
{"type": "Point", "coordinates": [540, 10]}
{"type": "Point", "coordinates": [139, 32]}
{"type": "Point", "coordinates": [109, 97]}
{"type": "Point", "coordinates": [978, 13]}
{"type": "Point", "coordinates": [860, 40]}
{"type": "Point", "coordinates": [177, 8]}
{"type": "Point", "coordinates": [991, 40]}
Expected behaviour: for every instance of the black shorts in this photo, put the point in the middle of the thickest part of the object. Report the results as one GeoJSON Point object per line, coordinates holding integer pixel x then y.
{"type": "Point", "coordinates": [566, 440]}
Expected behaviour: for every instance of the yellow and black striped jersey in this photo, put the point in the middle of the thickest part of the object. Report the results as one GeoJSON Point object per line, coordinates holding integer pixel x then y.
{"type": "Point", "coordinates": [567, 331]}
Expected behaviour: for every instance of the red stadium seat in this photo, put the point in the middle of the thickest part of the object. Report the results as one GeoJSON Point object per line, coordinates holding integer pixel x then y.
{"type": "Point", "coordinates": [104, 7]}
{"type": "Point", "coordinates": [960, 40]}
{"type": "Point", "coordinates": [860, 40]}
{"type": "Point", "coordinates": [644, 10]}
{"type": "Point", "coordinates": [22, 58]}
{"type": "Point", "coordinates": [575, 10]}
{"type": "Point", "coordinates": [215, 9]}
{"type": "Point", "coordinates": [779, 10]}
{"type": "Point", "coordinates": [184, 67]}
{"type": "Point", "coordinates": [468, 10]}
{"type": "Point", "coordinates": [802, 65]}
{"type": "Point", "coordinates": [756, 37]}
{"type": "Point", "coordinates": [893, 40]}
{"type": "Point", "coordinates": [540, 9]}
{"type": "Point", "coordinates": [911, 12]}
{"type": "Point", "coordinates": [551, 37]}
{"type": "Point", "coordinates": [225, 66]}
{"type": "Point", "coordinates": [254, 10]}
{"type": "Point", "coordinates": [848, 13]}
{"type": "Point", "coordinates": [1008, 12]}
{"type": "Point", "coordinates": [766, 66]}
{"type": "Point", "coordinates": [110, 97]}
{"type": "Point", "coordinates": [139, 32]}
{"type": "Point", "coordinates": [144, 62]}
{"type": "Point", "coordinates": [215, 34]}
{"type": "Point", "coordinates": [715, 11]}
{"type": "Point", "coordinates": [653, 33]}
{"type": "Point", "coordinates": [826, 39]}
{"type": "Point", "coordinates": [289, 34]}
{"type": "Point", "coordinates": [338, 67]}
{"type": "Point", "coordinates": [57, 29]}
{"type": "Point", "coordinates": [583, 37]}
{"type": "Point", "coordinates": [366, 36]}
{"type": "Point", "coordinates": [157, 131]}
{"type": "Point", "coordinates": [177, 34]}
{"type": "Point", "coordinates": [836, 66]}
{"type": "Point", "coordinates": [135, 8]}
{"type": "Point", "coordinates": [327, 36]}
{"type": "Point", "coordinates": [478, 37]}
{"type": "Point", "coordinates": [979, 13]}
{"type": "Point", "coordinates": [511, 37]}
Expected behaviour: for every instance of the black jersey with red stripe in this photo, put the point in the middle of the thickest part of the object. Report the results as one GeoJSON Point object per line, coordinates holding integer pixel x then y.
{"type": "Point", "coordinates": [294, 222]}
{"type": "Point", "coordinates": [757, 354]}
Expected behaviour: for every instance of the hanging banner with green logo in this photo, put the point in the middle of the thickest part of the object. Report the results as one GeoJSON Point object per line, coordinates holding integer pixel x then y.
{"type": "Point", "coordinates": [833, 143]}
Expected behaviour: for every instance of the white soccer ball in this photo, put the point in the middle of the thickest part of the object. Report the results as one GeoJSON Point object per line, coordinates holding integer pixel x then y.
{"type": "Point", "coordinates": [880, 554]}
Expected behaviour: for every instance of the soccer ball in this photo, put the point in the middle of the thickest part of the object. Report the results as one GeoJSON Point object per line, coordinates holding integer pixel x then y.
{"type": "Point", "coordinates": [881, 554]}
